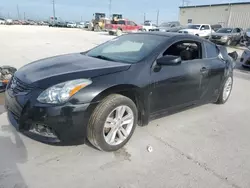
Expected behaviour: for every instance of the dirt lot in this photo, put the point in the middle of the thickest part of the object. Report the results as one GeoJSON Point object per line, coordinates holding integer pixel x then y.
{"type": "Point", "coordinates": [206, 146]}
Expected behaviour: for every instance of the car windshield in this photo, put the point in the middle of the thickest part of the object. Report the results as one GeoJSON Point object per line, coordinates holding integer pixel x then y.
{"type": "Point", "coordinates": [165, 25]}
{"type": "Point", "coordinates": [147, 24]}
{"type": "Point", "coordinates": [224, 30]}
{"type": "Point", "coordinates": [130, 48]}
{"type": "Point", "coordinates": [193, 26]}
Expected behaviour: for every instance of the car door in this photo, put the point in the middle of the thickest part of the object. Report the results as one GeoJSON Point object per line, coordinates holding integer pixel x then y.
{"type": "Point", "coordinates": [214, 66]}
{"type": "Point", "coordinates": [179, 85]}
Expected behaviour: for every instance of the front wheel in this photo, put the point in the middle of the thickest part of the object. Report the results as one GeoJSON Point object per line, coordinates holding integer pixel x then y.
{"type": "Point", "coordinates": [226, 91]}
{"type": "Point", "coordinates": [112, 123]}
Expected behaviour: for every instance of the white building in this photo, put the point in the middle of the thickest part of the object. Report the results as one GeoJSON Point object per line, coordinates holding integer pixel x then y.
{"type": "Point", "coordinates": [228, 15]}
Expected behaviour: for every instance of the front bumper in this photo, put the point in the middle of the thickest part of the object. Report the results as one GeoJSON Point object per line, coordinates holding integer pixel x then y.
{"type": "Point", "coordinates": [218, 41]}
{"type": "Point", "coordinates": [64, 124]}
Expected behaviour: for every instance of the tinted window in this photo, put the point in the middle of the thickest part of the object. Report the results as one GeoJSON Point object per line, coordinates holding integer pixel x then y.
{"type": "Point", "coordinates": [205, 27]}
{"type": "Point", "coordinates": [187, 50]}
{"type": "Point", "coordinates": [193, 26]}
{"type": "Point", "coordinates": [128, 48]}
{"type": "Point", "coordinates": [131, 23]}
{"type": "Point", "coordinates": [122, 22]}
{"type": "Point", "coordinates": [224, 30]}
{"type": "Point", "coordinates": [212, 50]}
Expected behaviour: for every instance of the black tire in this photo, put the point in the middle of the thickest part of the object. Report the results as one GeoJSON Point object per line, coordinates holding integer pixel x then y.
{"type": "Point", "coordinates": [220, 99]}
{"type": "Point", "coordinates": [98, 118]}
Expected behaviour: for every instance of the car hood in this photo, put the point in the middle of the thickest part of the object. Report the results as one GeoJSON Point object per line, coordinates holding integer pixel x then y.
{"type": "Point", "coordinates": [53, 70]}
{"type": "Point", "coordinates": [164, 28]}
{"type": "Point", "coordinates": [221, 34]}
{"type": "Point", "coordinates": [189, 30]}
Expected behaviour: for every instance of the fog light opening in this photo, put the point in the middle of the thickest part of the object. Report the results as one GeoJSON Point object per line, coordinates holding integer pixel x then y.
{"type": "Point", "coordinates": [42, 130]}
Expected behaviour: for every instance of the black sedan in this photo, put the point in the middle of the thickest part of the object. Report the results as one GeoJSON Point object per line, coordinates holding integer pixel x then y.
{"type": "Point", "coordinates": [102, 94]}
{"type": "Point", "coordinates": [228, 36]}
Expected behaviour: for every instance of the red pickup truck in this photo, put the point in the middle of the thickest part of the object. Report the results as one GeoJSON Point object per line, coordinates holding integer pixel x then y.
{"type": "Point", "coordinates": [122, 25]}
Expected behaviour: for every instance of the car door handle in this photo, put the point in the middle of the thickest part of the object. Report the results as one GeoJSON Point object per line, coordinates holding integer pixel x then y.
{"type": "Point", "coordinates": [203, 70]}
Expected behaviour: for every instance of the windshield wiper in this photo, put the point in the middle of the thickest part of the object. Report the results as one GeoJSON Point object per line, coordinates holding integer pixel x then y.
{"type": "Point", "coordinates": [103, 57]}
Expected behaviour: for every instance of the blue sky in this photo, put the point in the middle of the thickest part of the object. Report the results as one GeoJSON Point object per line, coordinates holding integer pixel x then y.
{"type": "Point", "coordinates": [73, 10]}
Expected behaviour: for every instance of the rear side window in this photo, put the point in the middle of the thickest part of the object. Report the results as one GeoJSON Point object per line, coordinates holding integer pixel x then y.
{"type": "Point", "coordinates": [211, 49]}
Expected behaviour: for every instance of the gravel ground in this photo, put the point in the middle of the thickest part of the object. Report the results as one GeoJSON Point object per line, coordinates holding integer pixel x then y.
{"type": "Point", "coordinates": [206, 147]}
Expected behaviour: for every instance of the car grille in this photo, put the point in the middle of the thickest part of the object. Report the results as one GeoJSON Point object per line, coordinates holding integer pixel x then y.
{"type": "Point", "coordinates": [18, 86]}
{"type": "Point", "coordinates": [216, 37]}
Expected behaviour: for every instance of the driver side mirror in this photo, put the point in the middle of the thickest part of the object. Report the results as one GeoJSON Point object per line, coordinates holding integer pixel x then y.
{"type": "Point", "coordinates": [169, 60]}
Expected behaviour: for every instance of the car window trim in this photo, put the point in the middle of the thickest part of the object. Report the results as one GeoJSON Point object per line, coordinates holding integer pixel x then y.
{"type": "Point", "coordinates": [207, 53]}
{"type": "Point", "coordinates": [201, 42]}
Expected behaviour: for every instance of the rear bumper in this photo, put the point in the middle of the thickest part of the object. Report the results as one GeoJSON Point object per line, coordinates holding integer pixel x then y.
{"type": "Point", "coordinates": [65, 124]}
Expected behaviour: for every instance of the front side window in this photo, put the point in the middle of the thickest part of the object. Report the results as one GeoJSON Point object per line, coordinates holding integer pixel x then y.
{"type": "Point", "coordinates": [130, 48]}
{"type": "Point", "coordinates": [122, 22]}
{"type": "Point", "coordinates": [193, 26]}
{"type": "Point", "coordinates": [187, 50]}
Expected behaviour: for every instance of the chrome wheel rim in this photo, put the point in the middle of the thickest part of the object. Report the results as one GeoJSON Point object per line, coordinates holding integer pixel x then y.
{"type": "Point", "coordinates": [227, 88]}
{"type": "Point", "coordinates": [118, 125]}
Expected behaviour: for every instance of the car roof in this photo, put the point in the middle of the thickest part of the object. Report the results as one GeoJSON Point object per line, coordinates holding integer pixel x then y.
{"type": "Point", "coordinates": [171, 35]}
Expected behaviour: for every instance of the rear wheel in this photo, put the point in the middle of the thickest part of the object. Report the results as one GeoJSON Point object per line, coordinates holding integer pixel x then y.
{"type": "Point", "coordinates": [226, 91]}
{"type": "Point", "coordinates": [112, 123]}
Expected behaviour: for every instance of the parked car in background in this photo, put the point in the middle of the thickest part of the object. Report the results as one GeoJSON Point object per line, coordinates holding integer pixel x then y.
{"type": "Point", "coordinates": [245, 58]}
{"type": "Point", "coordinates": [215, 27]}
{"type": "Point", "coordinates": [9, 21]}
{"type": "Point", "coordinates": [80, 25]}
{"type": "Point", "coordinates": [71, 24]}
{"type": "Point", "coordinates": [229, 36]}
{"type": "Point", "coordinates": [58, 24]}
{"type": "Point", "coordinates": [201, 30]}
{"type": "Point", "coordinates": [122, 26]}
{"type": "Point", "coordinates": [246, 35]}
{"type": "Point", "coordinates": [173, 26]}
{"type": "Point", "coordinates": [86, 24]}
{"type": "Point", "coordinates": [2, 21]}
{"type": "Point", "coordinates": [148, 25]}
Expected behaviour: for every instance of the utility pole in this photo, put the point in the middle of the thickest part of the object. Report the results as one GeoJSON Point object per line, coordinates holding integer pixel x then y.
{"type": "Point", "coordinates": [157, 17]}
{"type": "Point", "coordinates": [81, 18]}
{"type": "Point", "coordinates": [144, 17]}
{"type": "Point", "coordinates": [54, 11]}
{"type": "Point", "coordinates": [24, 17]}
{"type": "Point", "coordinates": [110, 2]}
{"type": "Point", "coordinates": [18, 14]}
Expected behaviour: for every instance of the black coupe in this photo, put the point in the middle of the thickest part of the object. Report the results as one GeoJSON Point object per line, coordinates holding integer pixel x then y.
{"type": "Point", "coordinates": [102, 94]}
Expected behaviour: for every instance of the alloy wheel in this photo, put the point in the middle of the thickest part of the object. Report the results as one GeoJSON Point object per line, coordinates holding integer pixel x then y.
{"type": "Point", "coordinates": [118, 125]}
{"type": "Point", "coordinates": [227, 88]}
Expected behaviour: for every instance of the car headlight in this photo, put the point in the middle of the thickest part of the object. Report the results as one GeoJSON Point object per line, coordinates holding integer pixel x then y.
{"type": "Point", "coordinates": [60, 93]}
{"type": "Point", "coordinates": [225, 37]}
